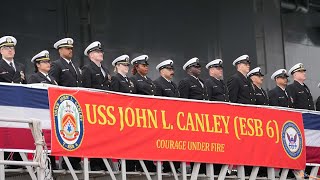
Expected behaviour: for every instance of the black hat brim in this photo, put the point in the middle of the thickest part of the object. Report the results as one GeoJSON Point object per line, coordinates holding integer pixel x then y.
{"type": "Point", "coordinates": [256, 74]}
{"type": "Point", "coordinates": [281, 76]}
{"type": "Point", "coordinates": [217, 65]}
{"type": "Point", "coordinates": [166, 67]}
{"type": "Point", "coordinates": [196, 64]}
{"type": "Point", "coordinates": [142, 62]}
{"type": "Point", "coordinates": [244, 62]}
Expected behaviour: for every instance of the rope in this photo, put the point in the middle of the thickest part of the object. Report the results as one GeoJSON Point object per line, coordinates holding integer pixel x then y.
{"type": "Point", "coordinates": [304, 175]}
{"type": "Point", "coordinates": [10, 156]}
{"type": "Point", "coordinates": [41, 154]}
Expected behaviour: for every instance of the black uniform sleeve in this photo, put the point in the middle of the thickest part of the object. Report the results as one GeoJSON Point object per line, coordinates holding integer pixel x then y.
{"type": "Point", "coordinates": [318, 104]}
{"type": "Point", "coordinates": [115, 84]}
{"type": "Point", "coordinates": [24, 81]}
{"type": "Point", "coordinates": [158, 88]}
{"type": "Point", "coordinates": [134, 81]}
{"type": "Point", "coordinates": [32, 79]}
{"type": "Point", "coordinates": [55, 71]}
{"type": "Point", "coordinates": [183, 89]}
{"type": "Point", "coordinates": [209, 85]}
{"type": "Point", "coordinates": [273, 99]}
{"type": "Point", "coordinates": [233, 86]}
{"type": "Point", "coordinates": [86, 77]}
{"type": "Point", "coordinates": [291, 92]}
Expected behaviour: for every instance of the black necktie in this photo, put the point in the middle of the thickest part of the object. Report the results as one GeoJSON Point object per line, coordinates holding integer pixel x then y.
{"type": "Point", "coordinates": [221, 82]}
{"type": "Point", "coordinates": [103, 71]}
{"type": "Point", "coordinates": [200, 82]}
{"type": "Point", "coordinates": [72, 68]}
{"type": "Point", "coordinates": [306, 88]}
{"type": "Point", "coordinates": [172, 85]}
{"type": "Point", "coordinates": [47, 76]}
{"type": "Point", "coordinates": [262, 93]}
{"type": "Point", "coordinates": [11, 64]}
{"type": "Point", "coordinates": [285, 92]}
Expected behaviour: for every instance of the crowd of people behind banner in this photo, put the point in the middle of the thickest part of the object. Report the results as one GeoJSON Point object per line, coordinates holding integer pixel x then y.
{"type": "Point", "coordinates": [244, 87]}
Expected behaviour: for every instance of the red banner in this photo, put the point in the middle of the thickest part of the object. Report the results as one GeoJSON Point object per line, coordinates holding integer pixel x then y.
{"type": "Point", "coordinates": [110, 125]}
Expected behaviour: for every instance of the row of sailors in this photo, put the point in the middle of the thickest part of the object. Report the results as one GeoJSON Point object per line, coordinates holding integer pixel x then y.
{"type": "Point", "coordinates": [243, 87]}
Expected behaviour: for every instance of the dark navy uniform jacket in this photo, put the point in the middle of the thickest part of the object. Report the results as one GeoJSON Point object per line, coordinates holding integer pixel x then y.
{"type": "Point", "coordinates": [92, 77]}
{"type": "Point", "coordinates": [65, 74]}
{"type": "Point", "coordinates": [144, 85]}
{"type": "Point", "coordinates": [8, 74]}
{"type": "Point", "coordinates": [122, 84]}
{"type": "Point", "coordinates": [302, 98]}
{"type": "Point", "coordinates": [279, 97]}
{"type": "Point", "coordinates": [166, 88]}
{"type": "Point", "coordinates": [191, 88]}
{"type": "Point", "coordinates": [318, 104]}
{"type": "Point", "coordinates": [240, 89]}
{"type": "Point", "coordinates": [260, 95]}
{"type": "Point", "coordinates": [38, 77]}
{"type": "Point", "coordinates": [217, 90]}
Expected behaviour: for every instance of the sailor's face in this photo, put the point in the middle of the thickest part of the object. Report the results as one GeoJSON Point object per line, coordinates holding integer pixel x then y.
{"type": "Point", "coordinates": [143, 69]}
{"type": "Point", "coordinates": [44, 66]}
{"type": "Point", "coordinates": [217, 72]}
{"type": "Point", "coordinates": [196, 70]}
{"type": "Point", "coordinates": [123, 68]}
{"type": "Point", "coordinates": [66, 52]}
{"type": "Point", "coordinates": [283, 81]}
{"type": "Point", "coordinates": [168, 73]}
{"type": "Point", "coordinates": [300, 75]}
{"type": "Point", "coordinates": [245, 67]}
{"type": "Point", "coordinates": [96, 55]}
{"type": "Point", "coordinates": [257, 79]}
{"type": "Point", "coordinates": [8, 52]}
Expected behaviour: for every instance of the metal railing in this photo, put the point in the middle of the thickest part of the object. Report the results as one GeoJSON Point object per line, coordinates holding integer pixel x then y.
{"type": "Point", "coordinates": [38, 168]}
{"type": "Point", "coordinates": [115, 173]}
